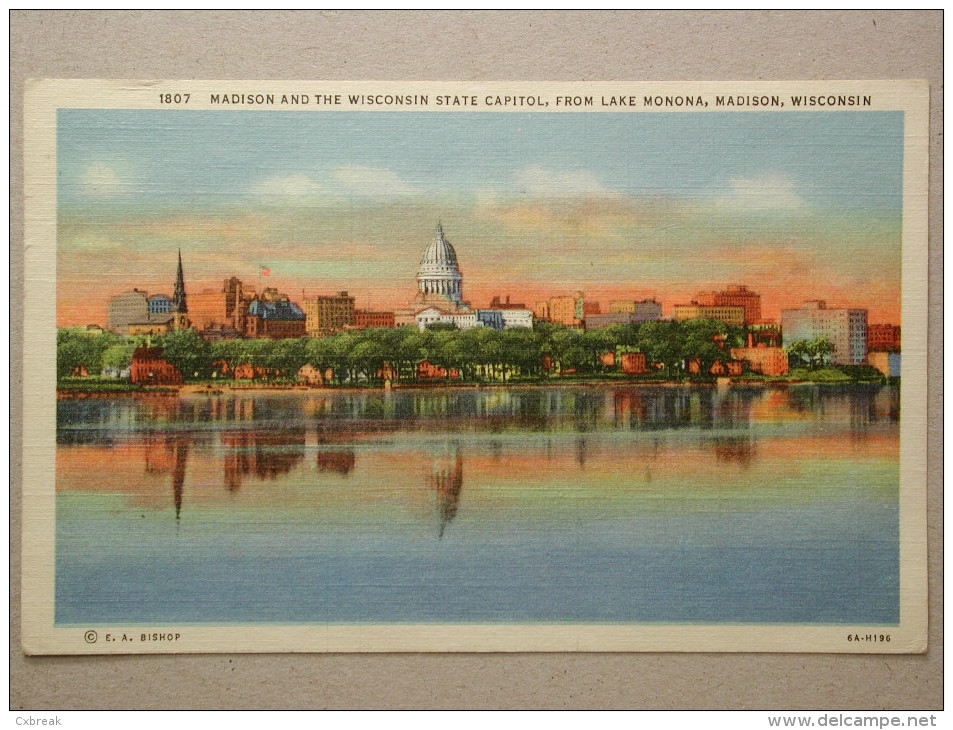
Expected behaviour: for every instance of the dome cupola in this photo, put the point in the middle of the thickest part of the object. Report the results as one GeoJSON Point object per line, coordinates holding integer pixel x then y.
{"type": "Point", "coordinates": [439, 273]}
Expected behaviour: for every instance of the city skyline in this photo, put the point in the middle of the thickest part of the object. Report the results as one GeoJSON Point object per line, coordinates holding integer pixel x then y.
{"type": "Point", "coordinates": [328, 202]}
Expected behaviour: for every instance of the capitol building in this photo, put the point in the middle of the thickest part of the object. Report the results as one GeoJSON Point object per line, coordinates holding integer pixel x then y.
{"type": "Point", "coordinates": [440, 295]}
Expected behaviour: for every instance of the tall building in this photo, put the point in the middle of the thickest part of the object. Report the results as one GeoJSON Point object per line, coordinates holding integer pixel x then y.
{"type": "Point", "coordinates": [734, 296]}
{"type": "Point", "coordinates": [327, 315]}
{"type": "Point", "coordinates": [125, 309]}
{"type": "Point", "coordinates": [846, 329]}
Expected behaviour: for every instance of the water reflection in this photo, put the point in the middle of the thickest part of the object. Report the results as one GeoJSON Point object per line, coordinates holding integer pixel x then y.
{"type": "Point", "coordinates": [340, 462]}
{"type": "Point", "coordinates": [604, 503]}
{"type": "Point", "coordinates": [266, 454]}
{"type": "Point", "coordinates": [600, 436]}
{"type": "Point", "coordinates": [447, 482]}
{"type": "Point", "coordinates": [734, 450]}
{"type": "Point", "coordinates": [494, 410]}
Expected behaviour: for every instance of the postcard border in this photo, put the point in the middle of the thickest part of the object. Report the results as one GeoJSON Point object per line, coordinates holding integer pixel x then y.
{"type": "Point", "coordinates": [38, 634]}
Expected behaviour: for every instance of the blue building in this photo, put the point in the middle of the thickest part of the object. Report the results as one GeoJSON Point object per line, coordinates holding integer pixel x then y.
{"type": "Point", "coordinates": [160, 304]}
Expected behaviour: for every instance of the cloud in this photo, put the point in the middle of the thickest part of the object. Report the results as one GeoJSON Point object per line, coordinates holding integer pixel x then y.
{"type": "Point", "coordinates": [764, 192]}
{"type": "Point", "coordinates": [99, 181]}
{"type": "Point", "coordinates": [371, 181]}
{"type": "Point", "coordinates": [541, 182]}
{"type": "Point", "coordinates": [287, 188]}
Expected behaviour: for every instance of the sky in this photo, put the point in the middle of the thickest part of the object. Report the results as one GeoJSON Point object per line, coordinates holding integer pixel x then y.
{"type": "Point", "coordinates": [797, 205]}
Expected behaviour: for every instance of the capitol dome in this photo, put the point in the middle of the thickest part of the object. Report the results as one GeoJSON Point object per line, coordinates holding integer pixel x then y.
{"type": "Point", "coordinates": [439, 273]}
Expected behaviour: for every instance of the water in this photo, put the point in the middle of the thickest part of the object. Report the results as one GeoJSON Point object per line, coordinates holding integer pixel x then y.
{"type": "Point", "coordinates": [578, 504]}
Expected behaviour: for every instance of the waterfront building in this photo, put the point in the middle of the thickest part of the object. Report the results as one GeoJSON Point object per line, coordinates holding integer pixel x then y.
{"type": "Point", "coordinates": [149, 367]}
{"type": "Point", "coordinates": [730, 315]}
{"type": "Point", "coordinates": [734, 296]}
{"type": "Point", "coordinates": [328, 314]}
{"type": "Point", "coordinates": [132, 306]}
{"type": "Point", "coordinates": [632, 363]}
{"type": "Point", "coordinates": [845, 329]}
{"type": "Point", "coordinates": [718, 368]}
{"type": "Point", "coordinates": [883, 338]}
{"type": "Point", "coordinates": [761, 358]}
{"type": "Point", "coordinates": [645, 310]}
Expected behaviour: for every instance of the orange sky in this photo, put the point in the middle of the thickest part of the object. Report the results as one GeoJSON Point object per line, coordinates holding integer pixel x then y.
{"type": "Point", "coordinates": [84, 302]}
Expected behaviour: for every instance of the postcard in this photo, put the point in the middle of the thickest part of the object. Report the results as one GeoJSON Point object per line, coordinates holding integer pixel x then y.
{"type": "Point", "coordinates": [438, 366]}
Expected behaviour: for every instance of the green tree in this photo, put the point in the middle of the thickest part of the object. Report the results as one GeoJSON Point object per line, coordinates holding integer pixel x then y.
{"type": "Point", "coordinates": [798, 353]}
{"type": "Point", "coordinates": [73, 353]}
{"type": "Point", "coordinates": [118, 357]}
{"type": "Point", "coordinates": [820, 349]}
{"type": "Point", "coordinates": [187, 351]}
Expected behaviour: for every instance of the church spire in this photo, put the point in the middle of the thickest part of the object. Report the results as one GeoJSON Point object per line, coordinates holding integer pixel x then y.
{"type": "Point", "coordinates": [178, 294]}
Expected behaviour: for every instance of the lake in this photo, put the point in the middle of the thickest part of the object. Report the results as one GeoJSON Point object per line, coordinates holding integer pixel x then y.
{"type": "Point", "coordinates": [602, 503]}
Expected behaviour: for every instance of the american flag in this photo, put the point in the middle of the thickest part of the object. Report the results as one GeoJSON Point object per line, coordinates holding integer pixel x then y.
{"type": "Point", "coordinates": [265, 271]}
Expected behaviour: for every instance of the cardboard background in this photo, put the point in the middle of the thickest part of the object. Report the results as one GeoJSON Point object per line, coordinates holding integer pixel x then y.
{"type": "Point", "coordinates": [481, 45]}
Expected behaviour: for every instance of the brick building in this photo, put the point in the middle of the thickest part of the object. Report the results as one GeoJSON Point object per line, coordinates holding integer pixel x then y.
{"type": "Point", "coordinates": [365, 319]}
{"type": "Point", "coordinates": [223, 308]}
{"type": "Point", "coordinates": [149, 367]}
{"type": "Point", "coordinates": [883, 338]}
{"type": "Point", "coordinates": [734, 296]}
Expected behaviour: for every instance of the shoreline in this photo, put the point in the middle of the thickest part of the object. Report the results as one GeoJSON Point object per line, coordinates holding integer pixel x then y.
{"type": "Point", "coordinates": [192, 389]}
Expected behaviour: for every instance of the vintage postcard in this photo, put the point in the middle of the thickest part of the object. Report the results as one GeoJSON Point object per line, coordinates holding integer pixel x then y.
{"type": "Point", "coordinates": [433, 366]}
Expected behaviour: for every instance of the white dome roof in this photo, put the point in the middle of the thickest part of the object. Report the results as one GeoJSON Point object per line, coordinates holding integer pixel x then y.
{"type": "Point", "coordinates": [440, 252]}
{"type": "Point", "coordinates": [438, 273]}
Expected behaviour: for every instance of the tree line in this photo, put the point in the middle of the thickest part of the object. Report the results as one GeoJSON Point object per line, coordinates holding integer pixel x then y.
{"type": "Point", "coordinates": [358, 355]}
